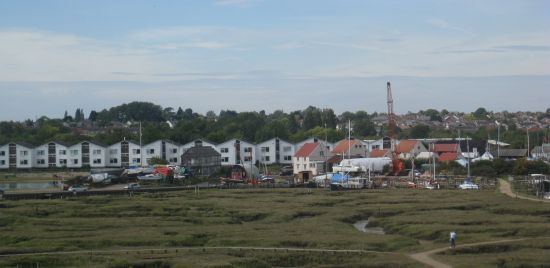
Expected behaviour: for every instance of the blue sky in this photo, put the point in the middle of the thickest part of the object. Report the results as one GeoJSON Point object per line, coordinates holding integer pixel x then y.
{"type": "Point", "coordinates": [268, 55]}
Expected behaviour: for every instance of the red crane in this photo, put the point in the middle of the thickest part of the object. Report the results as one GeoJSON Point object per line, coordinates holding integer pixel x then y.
{"type": "Point", "coordinates": [397, 164]}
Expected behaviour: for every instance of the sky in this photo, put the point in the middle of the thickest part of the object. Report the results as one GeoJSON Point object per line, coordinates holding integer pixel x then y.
{"type": "Point", "coordinates": [252, 55]}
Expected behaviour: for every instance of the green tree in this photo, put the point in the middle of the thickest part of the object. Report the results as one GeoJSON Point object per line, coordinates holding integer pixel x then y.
{"type": "Point", "coordinates": [420, 132]}
{"type": "Point", "coordinates": [481, 113]}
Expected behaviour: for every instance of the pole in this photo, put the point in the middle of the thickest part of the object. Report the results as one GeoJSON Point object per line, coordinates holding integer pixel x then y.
{"type": "Point", "coordinates": [528, 145]}
{"type": "Point", "coordinates": [140, 149]}
{"type": "Point", "coordinates": [498, 139]}
{"type": "Point", "coordinates": [468, 149]}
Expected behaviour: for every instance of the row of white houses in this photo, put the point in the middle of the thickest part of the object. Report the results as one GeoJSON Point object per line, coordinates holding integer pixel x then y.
{"type": "Point", "coordinates": [126, 153]}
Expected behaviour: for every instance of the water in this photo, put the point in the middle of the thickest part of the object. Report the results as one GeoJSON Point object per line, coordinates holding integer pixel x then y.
{"type": "Point", "coordinates": [6, 186]}
{"type": "Point", "coordinates": [362, 227]}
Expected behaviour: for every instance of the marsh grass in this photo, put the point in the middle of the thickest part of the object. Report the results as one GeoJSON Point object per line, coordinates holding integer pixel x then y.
{"type": "Point", "coordinates": [270, 218]}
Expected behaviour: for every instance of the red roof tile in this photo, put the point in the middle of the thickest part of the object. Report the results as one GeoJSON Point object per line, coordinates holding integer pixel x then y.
{"type": "Point", "coordinates": [441, 148]}
{"type": "Point", "coordinates": [306, 149]}
{"type": "Point", "coordinates": [343, 146]}
{"type": "Point", "coordinates": [378, 153]}
{"type": "Point", "coordinates": [446, 157]}
{"type": "Point", "coordinates": [405, 146]}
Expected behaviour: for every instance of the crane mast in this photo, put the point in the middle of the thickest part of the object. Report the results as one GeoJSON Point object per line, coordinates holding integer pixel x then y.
{"type": "Point", "coordinates": [397, 164]}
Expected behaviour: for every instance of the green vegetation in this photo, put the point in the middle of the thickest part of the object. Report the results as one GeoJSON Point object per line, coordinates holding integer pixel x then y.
{"type": "Point", "coordinates": [112, 125]}
{"type": "Point", "coordinates": [414, 220]}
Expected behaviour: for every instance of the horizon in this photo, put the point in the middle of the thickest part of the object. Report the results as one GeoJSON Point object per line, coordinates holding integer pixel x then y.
{"type": "Point", "coordinates": [252, 55]}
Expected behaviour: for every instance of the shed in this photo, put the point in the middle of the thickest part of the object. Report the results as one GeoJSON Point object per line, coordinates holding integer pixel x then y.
{"type": "Point", "coordinates": [202, 160]}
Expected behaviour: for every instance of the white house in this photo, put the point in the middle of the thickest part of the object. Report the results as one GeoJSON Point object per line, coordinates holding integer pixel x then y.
{"type": "Point", "coordinates": [309, 161]}
{"type": "Point", "coordinates": [541, 152]}
{"type": "Point", "coordinates": [236, 151]}
{"type": "Point", "coordinates": [16, 155]}
{"type": "Point", "coordinates": [4, 156]}
{"type": "Point", "coordinates": [275, 151]}
{"type": "Point", "coordinates": [48, 155]}
{"type": "Point", "coordinates": [164, 149]}
{"type": "Point", "coordinates": [123, 154]}
{"type": "Point", "coordinates": [192, 144]}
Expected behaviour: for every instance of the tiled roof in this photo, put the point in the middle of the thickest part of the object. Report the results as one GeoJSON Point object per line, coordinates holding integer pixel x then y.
{"type": "Point", "coordinates": [343, 146]}
{"type": "Point", "coordinates": [378, 153]}
{"type": "Point", "coordinates": [306, 150]}
{"type": "Point", "coordinates": [442, 148]}
{"type": "Point", "coordinates": [509, 152]}
{"type": "Point", "coordinates": [405, 146]}
{"type": "Point", "coordinates": [445, 157]}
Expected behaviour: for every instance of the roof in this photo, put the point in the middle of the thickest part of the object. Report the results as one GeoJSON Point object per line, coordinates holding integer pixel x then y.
{"type": "Point", "coordinates": [445, 147]}
{"type": "Point", "coordinates": [378, 153]}
{"type": "Point", "coordinates": [405, 146]}
{"type": "Point", "coordinates": [200, 151]}
{"type": "Point", "coordinates": [306, 150]}
{"type": "Point", "coordinates": [22, 143]}
{"type": "Point", "coordinates": [545, 148]}
{"type": "Point", "coordinates": [445, 157]}
{"type": "Point", "coordinates": [343, 146]}
{"type": "Point", "coordinates": [509, 152]}
{"type": "Point", "coordinates": [335, 159]}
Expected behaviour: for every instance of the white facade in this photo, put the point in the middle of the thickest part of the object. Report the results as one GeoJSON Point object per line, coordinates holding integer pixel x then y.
{"type": "Point", "coordinates": [74, 156]}
{"type": "Point", "coordinates": [4, 157]}
{"type": "Point", "coordinates": [275, 151]}
{"type": "Point", "coordinates": [246, 153]}
{"type": "Point", "coordinates": [167, 150]}
{"type": "Point", "coordinates": [374, 144]}
{"type": "Point", "coordinates": [16, 155]}
{"type": "Point", "coordinates": [123, 154]}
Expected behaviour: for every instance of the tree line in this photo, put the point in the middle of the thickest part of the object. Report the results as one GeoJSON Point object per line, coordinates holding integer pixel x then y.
{"type": "Point", "coordinates": [185, 125]}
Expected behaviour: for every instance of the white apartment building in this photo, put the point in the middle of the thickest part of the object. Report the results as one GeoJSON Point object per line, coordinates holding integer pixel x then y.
{"type": "Point", "coordinates": [123, 154]}
{"type": "Point", "coordinates": [16, 155]}
{"type": "Point", "coordinates": [236, 151]}
{"type": "Point", "coordinates": [164, 149]}
{"type": "Point", "coordinates": [275, 151]}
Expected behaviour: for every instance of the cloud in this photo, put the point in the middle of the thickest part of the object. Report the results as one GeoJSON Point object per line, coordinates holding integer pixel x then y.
{"type": "Point", "coordinates": [534, 48]}
{"type": "Point", "coordinates": [443, 24]}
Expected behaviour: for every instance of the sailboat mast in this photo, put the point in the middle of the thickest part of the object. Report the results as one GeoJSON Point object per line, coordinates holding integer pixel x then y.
{"type": "Point", "coordinates": [140, 149]}
{"type": "Point", "coordinates": [468, 149]}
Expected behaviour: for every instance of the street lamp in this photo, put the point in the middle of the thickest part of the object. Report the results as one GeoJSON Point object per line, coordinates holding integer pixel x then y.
{"type": "Point", "coordinates": [498, 138]}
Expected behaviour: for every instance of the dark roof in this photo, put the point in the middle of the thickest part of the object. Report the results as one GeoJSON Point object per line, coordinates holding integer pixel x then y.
{"type": "Point", "coordinates": [541, 149]}
{"type": "Point", "coordinates": [26, 144]}
{"type": "Point", "coordinates": [200, 151]}
{"type": "Point", "coordinates": [479, 144]}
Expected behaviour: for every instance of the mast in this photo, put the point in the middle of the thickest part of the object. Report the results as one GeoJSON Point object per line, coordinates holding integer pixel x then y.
{"type": "Point", "coordinates": [140, 149]}
{"type": "Point", "coordinates": [468, 149]}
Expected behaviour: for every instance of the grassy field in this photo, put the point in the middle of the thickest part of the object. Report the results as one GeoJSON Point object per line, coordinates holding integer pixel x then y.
{"type": "Point", "coordinates": [414, 220]}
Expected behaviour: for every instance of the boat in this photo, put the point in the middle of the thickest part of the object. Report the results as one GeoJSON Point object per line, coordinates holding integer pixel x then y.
{"type": "Point", "coordinates": [150, 177]}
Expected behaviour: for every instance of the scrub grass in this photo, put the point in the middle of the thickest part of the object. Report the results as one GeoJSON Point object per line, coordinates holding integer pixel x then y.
{"type": "Point", "coordinates": [413, 220]}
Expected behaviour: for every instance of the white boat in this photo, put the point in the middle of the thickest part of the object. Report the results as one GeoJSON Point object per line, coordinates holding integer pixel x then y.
{"type": "Point", "coordinates": [150, 177]}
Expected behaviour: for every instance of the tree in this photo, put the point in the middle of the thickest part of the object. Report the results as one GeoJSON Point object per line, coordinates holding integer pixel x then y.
{"type": "Point", "coordinates": [420, 132]}
{"type": "Point", "coordinates": [312, 118]}
{"type": "Point", "coordinates": [93, 116]}
{"type": "Point", "coordinates": [364, 128]}
{"type": "Point", "coordinates": [480, 113]}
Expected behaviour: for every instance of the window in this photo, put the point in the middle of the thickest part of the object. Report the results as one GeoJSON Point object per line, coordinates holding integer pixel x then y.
{"type": "Point", "coordinates": [96, 152]}
{"type": "Point", "coordinates": [265, 149]}
{"type": "Point", "coordinates": [62, 152]}
{"type": "Point", "coordinates": [113, 161]}
{"type": "Point", "coordinates": [40, 161]}
{"type": "Point", "coordinates": [247, 158]}
{"type": "Point", "coordinates": [312, 165]}
{"type": "Point", "coordinates": [376, 147]}
{"type": "Point", "coordinates": [136, 151]}
{"type": "Point", "coordinates": [97, 161]}
{"type": "Point", "coordinates": [2, 153]}
{"type": "Point", "coordinates": [150, 151]}
{"type": "Point", "coordinates": [136, 160]}
{"type": "Point", "coordinates": [247, 149]}
{"type": "Point", "coordinates": [321, 153]}
{"type": "Point", "coordinates": [225, 159]}
{"type": "Point", "coordinates": [74, 152]}
{"type": "Point", "coordinates": [305, 166]}
{"type": "Point", "coordinates": [265, 158]}
{"type": "Point", "coordinates": [287, 149]}
{"type": "Point", "coordinates": [297, 166]}
{"type": "Point", "coordinates": [40, 152]}
{"type": "Point", "coordinates": [75, 161]}
{"type": "Point", "coordinates": [287, 157]}
{"type": "Point", "coordinates": [2, 162]}
{"type": "Point", "coordinates": [175, 150]}
{"type": "Point", "coordinates": [24, 162]}
{"type": "Point", "coordinates": [62, 161]}
{"type": "Point", "coordinates": [224, 150]}
{"type": "Point", "coordinates": [174, 160]}
{"type": "Point", "coordinates": [23, 152]}
{"type": "Point", "coordinates": [113, 151]}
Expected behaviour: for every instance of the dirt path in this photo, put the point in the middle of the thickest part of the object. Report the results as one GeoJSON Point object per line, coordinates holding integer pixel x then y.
{"type": "Point", "coordinates": [506, 189]}
{"type": "Point", "coordinates": [425, 257]}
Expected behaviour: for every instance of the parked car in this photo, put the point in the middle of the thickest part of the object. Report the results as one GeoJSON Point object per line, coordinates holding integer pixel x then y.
{"type": "Point", "coordinates": [467, 185]}
{"type": "Point", "coordinates": [132, 186]}
{"type": "Point", "coordinates": [78, 188]}
{"type": "Point", "coordinates": [286, 171]}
